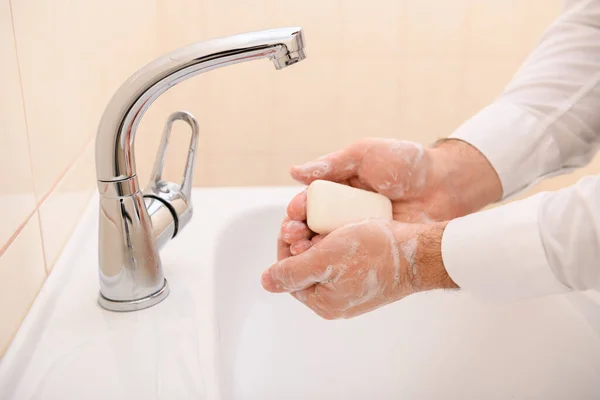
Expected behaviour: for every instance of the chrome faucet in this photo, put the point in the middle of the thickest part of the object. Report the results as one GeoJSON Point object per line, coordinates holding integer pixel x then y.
{"type": "Point", "coordinates": [134, 225]}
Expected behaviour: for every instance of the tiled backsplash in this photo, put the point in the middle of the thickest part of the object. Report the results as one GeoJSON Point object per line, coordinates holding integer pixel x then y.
{"type": "Point", "coordinates": [410, 69]}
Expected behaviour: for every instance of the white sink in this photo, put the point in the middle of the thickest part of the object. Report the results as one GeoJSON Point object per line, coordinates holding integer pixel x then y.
{"type": "Point", "coordinates": [220, 336]}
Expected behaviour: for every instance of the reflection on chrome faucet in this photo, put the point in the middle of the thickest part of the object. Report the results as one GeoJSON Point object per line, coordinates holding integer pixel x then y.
{"type": "Point", "coordinates": [134, 225]}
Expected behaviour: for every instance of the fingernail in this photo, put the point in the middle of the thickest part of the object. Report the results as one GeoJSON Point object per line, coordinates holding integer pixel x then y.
{"type": "Point", "coordinates": [297, 171]}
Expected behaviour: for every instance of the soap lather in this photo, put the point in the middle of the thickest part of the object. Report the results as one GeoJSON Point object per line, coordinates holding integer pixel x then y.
{"type": "Point", "coordinates": [331, 205]}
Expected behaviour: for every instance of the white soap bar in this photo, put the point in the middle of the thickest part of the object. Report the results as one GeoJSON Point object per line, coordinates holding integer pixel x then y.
{"type": "Point", "coordinates": [331, 205]}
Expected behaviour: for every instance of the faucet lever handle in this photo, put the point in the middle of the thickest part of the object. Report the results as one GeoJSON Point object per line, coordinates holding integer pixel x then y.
{"type": "Point", "coordinates": [188, 173]}
{"type": "Point", "coordinates": [177, 196]}
{"type": "Point", "coordinates": [156, 181]}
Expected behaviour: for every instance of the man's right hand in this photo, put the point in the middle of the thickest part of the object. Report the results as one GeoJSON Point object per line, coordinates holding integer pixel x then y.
{"type": "Point", "coordinates": [425, 184]}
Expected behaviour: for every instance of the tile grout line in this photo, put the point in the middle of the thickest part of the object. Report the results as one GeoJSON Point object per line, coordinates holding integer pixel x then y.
{"type": "Point", "coordinates": [23, 107]}
{"type": "Point", "coordinates": [39, 218]}
{"type": "Point", "coordinates": [12, 238]}
{"type": "Point", "coordinates": [33, 181]}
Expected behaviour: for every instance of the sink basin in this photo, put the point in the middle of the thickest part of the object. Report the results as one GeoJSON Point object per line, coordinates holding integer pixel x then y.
{"type": "Point", "coordinates": [220, 336]}
{"type": "Point", "coordinates": [439, 345]}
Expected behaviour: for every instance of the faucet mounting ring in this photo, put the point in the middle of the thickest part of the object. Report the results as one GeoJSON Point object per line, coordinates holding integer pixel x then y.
{"type": "Point", "coordinates": [134, 305]}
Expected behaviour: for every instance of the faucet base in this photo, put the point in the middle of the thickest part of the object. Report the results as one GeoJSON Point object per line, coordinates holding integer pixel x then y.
{"type": "Point", "coordinates": [134, 305]}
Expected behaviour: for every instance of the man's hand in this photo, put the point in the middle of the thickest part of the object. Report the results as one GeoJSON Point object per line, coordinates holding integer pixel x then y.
{"type": "Point", "coordinates": [363, 266]}
{"type": "Point", "coordinates": [425, 185]}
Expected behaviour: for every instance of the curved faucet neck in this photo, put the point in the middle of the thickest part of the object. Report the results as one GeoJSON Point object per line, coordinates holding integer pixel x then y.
{"type": "Point", "coordinates": [115, 139]}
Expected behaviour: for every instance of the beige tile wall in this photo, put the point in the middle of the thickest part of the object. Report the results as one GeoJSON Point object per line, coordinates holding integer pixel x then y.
{"type": "Point", "coordinates": [411, 69]}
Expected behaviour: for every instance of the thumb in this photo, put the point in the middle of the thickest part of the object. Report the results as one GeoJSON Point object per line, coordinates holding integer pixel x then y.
{"type": "Point", "coordinates": [337, 166]}
{"type": "Point", "coordinates": [295, 273]}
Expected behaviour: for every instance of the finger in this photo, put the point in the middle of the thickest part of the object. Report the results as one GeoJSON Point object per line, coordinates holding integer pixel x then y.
{"type": "Point", "coordinates": [283, 249]}
{"type": "Point", "coordinates": [296, 273]}
{"type": "Point", "coordinates": [310, 297]}
{"type": "Point", "coordinates": [295, 231]}
{"type": "Point", "coordinates": [336, 166]}
{"type": "Point", "coordinates": [300, 247]}
{"type": "Point", "coordinates": [316, 239]}
{"type": "Point", "coordinates": [357, 183]}
{"type": "Point", "coordinates": [297, 208]}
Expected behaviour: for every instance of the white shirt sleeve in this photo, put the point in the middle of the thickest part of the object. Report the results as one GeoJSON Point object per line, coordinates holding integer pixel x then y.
{"type": "Point", "coordinates": [545, 123]}
{"type": "Point", "coordinates": [546, 244]}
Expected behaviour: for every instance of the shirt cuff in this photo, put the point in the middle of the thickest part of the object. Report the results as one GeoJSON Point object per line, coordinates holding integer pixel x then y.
{"type": "Point", "coordinates": [514, 142]}
{"type": "Point", "coordinates": [498, 254]}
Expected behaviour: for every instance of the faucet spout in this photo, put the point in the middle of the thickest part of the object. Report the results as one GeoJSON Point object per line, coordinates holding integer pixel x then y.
{"type": "Point", "coordinates": [114, 142]}
{"type": "Point", "coordinates": [134, 225]}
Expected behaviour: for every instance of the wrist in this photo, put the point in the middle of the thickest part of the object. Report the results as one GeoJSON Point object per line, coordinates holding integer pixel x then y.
{"type": "Point", "coordinates": [428, 258]}
{"type": "Point", "coordinates": [465, 176]}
